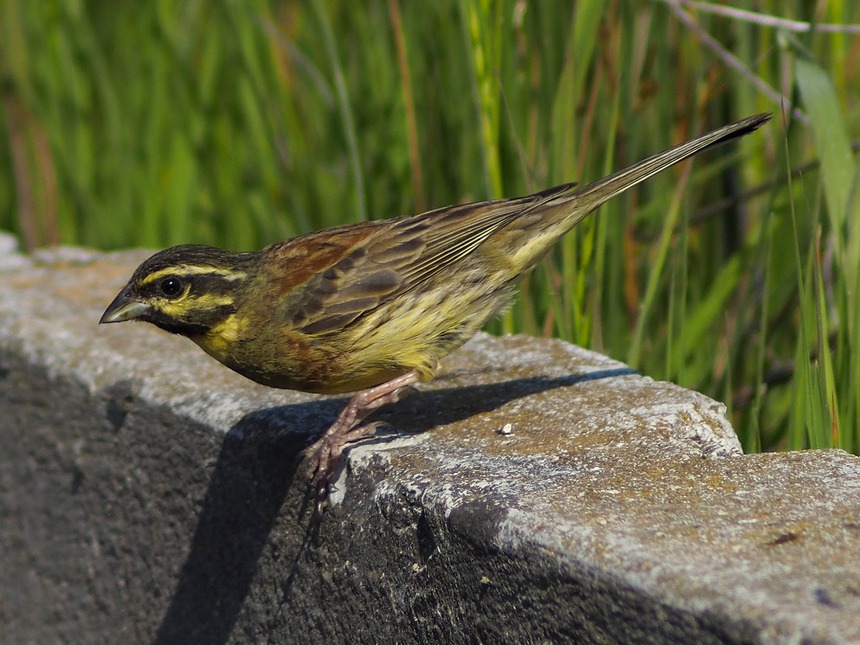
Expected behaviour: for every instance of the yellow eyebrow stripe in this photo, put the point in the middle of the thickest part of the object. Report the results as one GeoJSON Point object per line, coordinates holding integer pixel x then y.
{"type": "Point", "coordinates": [179, 307]}
{"type": "Point", "coordinates": [186, 270]}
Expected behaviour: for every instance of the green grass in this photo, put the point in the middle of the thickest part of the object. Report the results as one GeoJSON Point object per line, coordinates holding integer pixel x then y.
{"type": "Point", "coordinates": [240, 123]}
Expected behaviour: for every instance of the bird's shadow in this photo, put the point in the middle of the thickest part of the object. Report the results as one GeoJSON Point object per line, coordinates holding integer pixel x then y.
{"type": "Point", "coordinates": [253, 477]}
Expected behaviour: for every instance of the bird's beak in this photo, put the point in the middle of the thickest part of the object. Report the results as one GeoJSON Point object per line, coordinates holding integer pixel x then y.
{"type": "Point", "coordinates": [123, 308]}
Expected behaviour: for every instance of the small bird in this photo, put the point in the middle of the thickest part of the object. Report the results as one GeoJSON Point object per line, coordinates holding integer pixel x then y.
{"type": "Point", "coordinates": [370, 307]}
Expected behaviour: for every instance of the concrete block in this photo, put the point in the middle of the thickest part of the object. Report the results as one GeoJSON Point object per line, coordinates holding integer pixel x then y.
{"type": "Point", "coordinates": [535, 492]}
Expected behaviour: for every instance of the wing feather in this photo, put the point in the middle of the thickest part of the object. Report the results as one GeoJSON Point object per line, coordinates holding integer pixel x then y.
{"type": "Point", "coordinates": [354, 274]}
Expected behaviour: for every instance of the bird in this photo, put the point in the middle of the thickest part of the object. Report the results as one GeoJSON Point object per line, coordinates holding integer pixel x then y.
{"type": "Point", "coordinates": [369, 308]}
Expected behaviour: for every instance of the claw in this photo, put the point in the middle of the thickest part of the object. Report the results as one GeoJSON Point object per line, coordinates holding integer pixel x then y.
{"type": "Point", "coordinates": [325, 455]}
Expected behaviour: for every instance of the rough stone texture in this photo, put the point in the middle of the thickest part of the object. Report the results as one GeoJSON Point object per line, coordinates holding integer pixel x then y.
{"type": "Point", "coordinates": [149, 495]}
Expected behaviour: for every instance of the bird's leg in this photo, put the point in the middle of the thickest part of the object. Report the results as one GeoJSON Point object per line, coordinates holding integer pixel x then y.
{"type": "Point", "coordinates": [325, 454]}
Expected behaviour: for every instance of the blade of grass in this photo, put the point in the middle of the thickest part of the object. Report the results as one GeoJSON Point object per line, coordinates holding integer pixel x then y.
{"type": "Point", "coordinates": [828, 434]}
{"type": "Point", "coordinates": [838, 168]}
{"type": "Point", "coordinates": [345, 109]}
{"type": "Point", "coordinates": [657, 266]}
{"type": "Point", "coordinates": [839, 177]}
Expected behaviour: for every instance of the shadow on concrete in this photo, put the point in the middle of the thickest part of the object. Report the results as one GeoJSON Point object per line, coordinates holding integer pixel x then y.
{"type": "Point", "coordinates": [252, 478]}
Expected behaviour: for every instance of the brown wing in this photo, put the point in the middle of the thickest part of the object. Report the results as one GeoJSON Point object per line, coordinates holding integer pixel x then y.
{"type": "Point", "coordinates": [336, 275]}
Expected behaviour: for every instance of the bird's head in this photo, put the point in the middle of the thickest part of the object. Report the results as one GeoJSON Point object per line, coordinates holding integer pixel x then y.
{"type": "Point", "coordinates": [185, 289]}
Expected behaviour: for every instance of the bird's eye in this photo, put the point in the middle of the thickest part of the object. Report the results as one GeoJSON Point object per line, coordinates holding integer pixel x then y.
{"type": "Point", "coordinates": [171, 287]}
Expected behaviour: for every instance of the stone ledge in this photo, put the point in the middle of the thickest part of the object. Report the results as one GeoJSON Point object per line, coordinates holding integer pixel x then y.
{"type": "Point", "coordinates": [149, 494]}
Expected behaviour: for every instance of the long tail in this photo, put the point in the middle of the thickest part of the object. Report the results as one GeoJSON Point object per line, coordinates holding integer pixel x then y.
{"type": "Point", "coordinates": [590, 197]}
{"type": "Point", "coordinates": [551, 213]}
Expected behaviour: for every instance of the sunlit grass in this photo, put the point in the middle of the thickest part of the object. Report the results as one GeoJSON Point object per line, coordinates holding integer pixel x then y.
{"type": "Point", "coordinates": [240, 123]}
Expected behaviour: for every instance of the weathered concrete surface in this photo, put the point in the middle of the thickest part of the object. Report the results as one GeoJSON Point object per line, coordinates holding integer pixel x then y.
{"type": "Point", "coordinates": [148, 494]}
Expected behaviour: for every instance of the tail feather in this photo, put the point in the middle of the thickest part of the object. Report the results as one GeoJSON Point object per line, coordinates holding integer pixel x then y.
{"type": "Point", "coordinates": [535, 229]}
{"type": "Point", "coordinates": [591, 196]}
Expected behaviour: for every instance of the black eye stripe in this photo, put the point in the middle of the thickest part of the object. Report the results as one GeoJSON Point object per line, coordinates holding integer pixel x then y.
{"type": "Point", "coordinates": [174, 286]}
{"type": "Point", "coordinates": [213, 284]}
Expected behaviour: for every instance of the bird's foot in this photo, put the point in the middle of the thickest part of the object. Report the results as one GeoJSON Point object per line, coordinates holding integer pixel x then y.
{"type": "Point", "coordinates": [325, 456]}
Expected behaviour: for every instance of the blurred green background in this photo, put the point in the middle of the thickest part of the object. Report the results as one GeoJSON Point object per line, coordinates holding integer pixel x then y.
{"type": "Point", "coordinates": [239, 123]}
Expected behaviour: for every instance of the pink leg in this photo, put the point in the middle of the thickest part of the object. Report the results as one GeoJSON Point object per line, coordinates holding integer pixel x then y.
{"type": "Point", "coordinates": [325, 454]}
